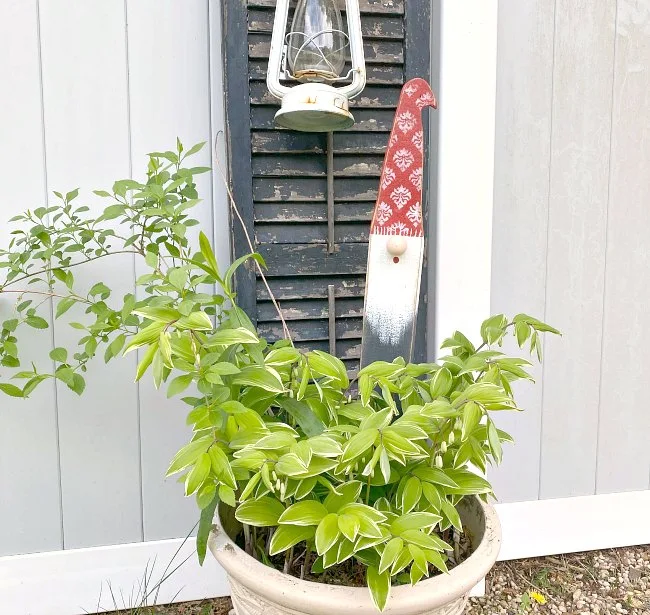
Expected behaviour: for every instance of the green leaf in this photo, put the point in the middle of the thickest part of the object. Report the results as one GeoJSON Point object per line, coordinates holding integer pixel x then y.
{"type": "Point", "coordinates": [227, 495]}
{"type": "Point", "coordinates": [205, 526]}
{"type": "Point", "coordinates": [228, 337]}
{"type": "Point", "coordinates": [327, 533]}
{"type": "Point", "coordinates": [449, 510]}
{"type": "Point", "coordinates": [36, 322]}
{"type": "Point", "coordinates": [424, 540]}
{"type": "Point", "coordinates": [435, 475]}
{"type": "Point", "coordinates": [262, 512]}
{"type": "Point", "coordinates": [441, 383]}
{"type": "Point", "coordinates": [188, 454]}
{"type": "Point", "coordinates": [348, 493]}
{"type": "Point", "coordinates": [379, 586]}
{"type": "Point", "coordinates": [495, 443]}
{"type": "Point", "coordinates": [179, 384]}
{"type": "Point", "coordinates": [303, 415]}
{"type": "Point", "coordinates": [259, 377]}
{"type": "Point", "coordinates": [349, 526]}
{"type": "Point", "coordinates": [197, 474]}
{"type": "Point", "coordinates": [205, 494]}
{"type": "Point", "coordinates": [196, 321]}
{"type": "Point", "coordinates": [145, 336]}
{"type": "Point", "coordinates": [468, 483]}
{"type": "Point", "coordinates": [411, 494]}
{"type": "Point", "coordinates": [11, 390]}
{"type": "Point", "coordinates": [419, 560]}
{"type": "Point", "coordinates": [436, 559]}
{"type": "Point", "coordinates": [146, 360]}
{"type": "Point", "coordinates": [236, 264]}
{"type": "Point", "coordinates": [414, 521]}
{"type": "Point", "coordinates": [221, 467]}
{"type": "Point", "coordinates": [306, 512]}
{"type": "Point", "coordinates": [472, 414]}
{"type": "Point", "coordinates": [359, 444]}
{"type": "Point", "coordinates": [59, 354]}
{"type": "Point", "coordinates": [287, 536]}
{"type": "Point", "coordinates": [392, 549]}
{"type": "Point", "coordinates": [282, 356]}
{"type": "Point", "coordinates": [158, 314]}
{"type": "Point", "coordinates": [208, 254]}
{"type": "Point", "coordinates": [327, 365]}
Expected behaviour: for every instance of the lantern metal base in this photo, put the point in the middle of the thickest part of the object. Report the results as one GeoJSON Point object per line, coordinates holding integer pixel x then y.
{"type": "Point", "coordinates": [314, 107]}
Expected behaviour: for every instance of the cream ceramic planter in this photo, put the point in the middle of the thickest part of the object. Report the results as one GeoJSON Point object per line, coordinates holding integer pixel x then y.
{"type": "Point", "coordinates": [259, 590]}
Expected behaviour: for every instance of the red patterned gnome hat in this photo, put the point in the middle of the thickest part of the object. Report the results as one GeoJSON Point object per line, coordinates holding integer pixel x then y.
{"type": "Point", "coordinates": [399, 204]}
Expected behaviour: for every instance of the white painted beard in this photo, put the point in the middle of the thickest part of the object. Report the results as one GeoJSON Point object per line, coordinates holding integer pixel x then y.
{"type": "Point", "coordinates": [392, 289]}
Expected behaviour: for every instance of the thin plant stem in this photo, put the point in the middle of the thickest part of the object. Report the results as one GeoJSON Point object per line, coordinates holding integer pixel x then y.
{"type": "Point", "coordinates": [233, 204]}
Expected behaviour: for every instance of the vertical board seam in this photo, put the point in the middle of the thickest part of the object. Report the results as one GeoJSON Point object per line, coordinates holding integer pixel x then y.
{"type": "Point", "coordinates": [130, 163]}
{"type": "Point", "coordinates": [609, 186]}
{"type": "Point", "coordinates": [51, 303]}
{"type": "Point", "coordinates": [213, 141]}
{"type": "Point", "coordinates": [548, 232]}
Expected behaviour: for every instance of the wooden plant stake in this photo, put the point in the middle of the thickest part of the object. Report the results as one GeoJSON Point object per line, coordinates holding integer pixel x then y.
{"type": "Point", "coordinates": [396, 246]}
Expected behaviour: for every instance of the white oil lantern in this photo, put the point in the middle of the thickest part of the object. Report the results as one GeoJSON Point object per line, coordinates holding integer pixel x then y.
{"type": "Point", "coordinates": [313, 53]}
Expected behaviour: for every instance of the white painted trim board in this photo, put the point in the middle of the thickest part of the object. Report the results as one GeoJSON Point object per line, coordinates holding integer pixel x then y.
{"type": "Point", "coordinates": [67, 582]}
{"type": "Point", "coordinates": [467, 108]}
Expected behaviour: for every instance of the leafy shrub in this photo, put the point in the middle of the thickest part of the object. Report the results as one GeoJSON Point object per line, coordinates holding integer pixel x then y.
{"type": "Point", "coordinates": [372, 471]}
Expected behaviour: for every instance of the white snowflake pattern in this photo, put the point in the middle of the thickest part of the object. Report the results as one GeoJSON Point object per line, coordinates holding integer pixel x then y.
{"type": "Point", "coordinates": [387, 178]}
{"type": "Point", "coordinates": [410, 89]}
{"type": "Point", "coordinates": [383, 213]}
{"type": "Point", "coordinates": [416, 178]}
{"type": "Point", "coordinates": [393, 139]}
{"type": "Point", "coordinates": [424, 100]}
{"type": "Point", "coordinates": [414, 214]}
{"type": "Point", "coordinates": [399, 228]}
{"type": "Point", "coordinates": [405, 121]}
{"type": "Point", "coordinates": [400, 196]}
{"type": "Point", "coordinates": [417, 139]}
{"type": "Point", "coordinates": [403, 158]}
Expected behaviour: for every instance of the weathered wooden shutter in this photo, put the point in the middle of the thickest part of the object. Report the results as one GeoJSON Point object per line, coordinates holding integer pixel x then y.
{"type": "Point", "coordinates": [280, 177]}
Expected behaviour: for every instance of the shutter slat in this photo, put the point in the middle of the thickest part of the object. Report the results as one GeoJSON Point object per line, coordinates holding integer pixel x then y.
{"type": "Point", "coordinates": [372, 26]}
{"type": "Point", "coordinates": [310, 233]}
{"type": "Point", "coordinates": [387, 7]}
{"type": "Point", "coordinates": [281, 142]}
{"type": "Point", "coordinates": [305, 287]}
{"type": "Point", "coordinates": [315, 166]}
{"type": "Point", "coordinates": [376, 51]}
{"type": "Point", "coordinates": [371, 120]}
{"type": "Point", "coordinates": [308, 189]}
{"type": "Point", "coordinates": [309, 259]}
{"type": "Point", "coordinates": [376, 74]}
{"type": "Point", "coordinates": [345, 349]}
{"type": "Point", "coordinates": [373, 96]}
{"type": "Point", "coordinates": [312, 330]}
{"type": "Point", "coordinates": [313, 212]}
{"type": "Point", "coordinates": [346, 307]}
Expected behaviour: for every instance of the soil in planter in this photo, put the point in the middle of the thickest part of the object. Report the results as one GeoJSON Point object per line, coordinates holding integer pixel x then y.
{"type": "Point", "coordinates": [351, 573]}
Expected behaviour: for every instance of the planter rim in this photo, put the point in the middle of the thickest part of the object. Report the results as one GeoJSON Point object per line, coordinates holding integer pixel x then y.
{"type": "Point", "coordinates": [322, 599]}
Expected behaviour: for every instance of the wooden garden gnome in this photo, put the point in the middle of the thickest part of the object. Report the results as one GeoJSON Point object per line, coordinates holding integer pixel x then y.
{"type": "Point", "coordinates": [396, 247]}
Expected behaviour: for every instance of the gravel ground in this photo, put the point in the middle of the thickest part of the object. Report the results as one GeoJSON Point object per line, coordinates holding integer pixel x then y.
{"type": "Point", "coordinates": [593, 583]}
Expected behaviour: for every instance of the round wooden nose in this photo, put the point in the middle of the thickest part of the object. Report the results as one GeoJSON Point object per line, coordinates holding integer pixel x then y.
{"type": "Point", "coordinates": [396, 246]}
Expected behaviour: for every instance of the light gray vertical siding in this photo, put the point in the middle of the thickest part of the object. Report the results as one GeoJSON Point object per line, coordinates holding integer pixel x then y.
{"type": "Point", "coordinates": [521, 189]}
{"type": "Point", "coordinates": [30, 511]}
{"type": "Point", "coordinates": [581, 126]}
{"type": "Point", "coordinates": [94, 87]}
{"type": "Point", "coordinates": [624, 430]}
{"type": "Point", "coordinates": [571, 227]}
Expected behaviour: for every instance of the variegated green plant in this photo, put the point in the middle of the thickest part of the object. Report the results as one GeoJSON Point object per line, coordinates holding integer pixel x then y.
{"type": "Point", "coordinates": [371, 470]}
